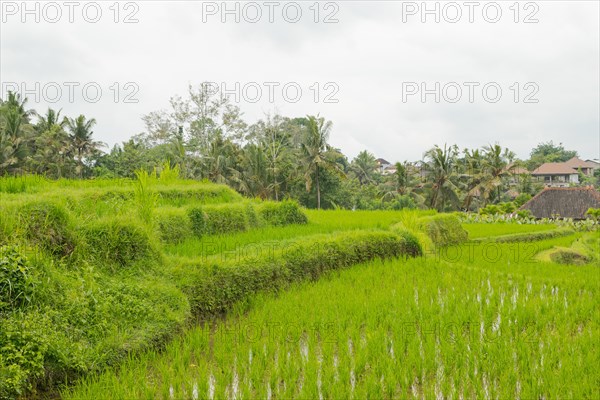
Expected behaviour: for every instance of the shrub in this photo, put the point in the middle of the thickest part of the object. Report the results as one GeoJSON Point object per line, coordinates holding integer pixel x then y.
{"type": "Point", "coordinates": [410, 245]}
{"type": "Point", "coordinates": [282, 213]}
{"type": "Point", "coordinates": [443, 229]}
{"type": "Point", "coordinates": [197, 220]}
{"type": "Point", "coordinates": [47, 225]}
{"type": "Point", "coordinates": [118, 243]}
{"type": "Point", "coordinates": [173, 225]}
{"type": "Point", "coordinates": [15, 282]}
{"type": "Point", "coordinates": [23, 345]}
{"type": "Point", "coordinates": [218, 220]}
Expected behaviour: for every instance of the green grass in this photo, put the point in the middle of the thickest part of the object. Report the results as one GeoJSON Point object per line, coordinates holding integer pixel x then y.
{"type": "Point", "coordinates": [477, 327]}
{"type": "Point", "coordinates": [480, 230]}
{"type": "Point", "coordinates": [318, 222]}
{"type": "Point", "coordinates": [104, 280]}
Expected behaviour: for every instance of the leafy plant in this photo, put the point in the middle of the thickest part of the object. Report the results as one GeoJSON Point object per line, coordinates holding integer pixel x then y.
{"type": "Point", "coordinates": [16, 285]}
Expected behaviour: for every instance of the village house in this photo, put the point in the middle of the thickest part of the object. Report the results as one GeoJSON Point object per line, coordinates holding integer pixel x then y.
{"type": "Point", "coordinates": [564, 174]}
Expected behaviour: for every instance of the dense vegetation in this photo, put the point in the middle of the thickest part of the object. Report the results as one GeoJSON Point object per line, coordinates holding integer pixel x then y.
{"type": "Point", "coordinates": [205, 136]}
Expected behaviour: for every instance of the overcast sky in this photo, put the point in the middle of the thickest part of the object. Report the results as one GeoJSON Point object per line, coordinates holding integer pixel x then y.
{"type": "Point", "coordinates": [369, 64]}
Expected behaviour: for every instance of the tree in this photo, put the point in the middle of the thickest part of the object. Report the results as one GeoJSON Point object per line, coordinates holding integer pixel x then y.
{"type": "Point", "coordinates": [51, 146]}
{"type": "Point", "coordinates": [440, 171]}
{"type": "Point", "coordinates": [316, 154]}
{"type": "Point", "coordinates": [496, 165]}
{"type": "Point", "coordinates": [80, 135]}
{"type": "Point", "coordinates": [549, 152]}
{"type": "Point", "coordinates": [363, 166]}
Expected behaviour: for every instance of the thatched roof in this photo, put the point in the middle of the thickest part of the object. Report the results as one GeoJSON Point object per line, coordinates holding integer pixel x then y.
{"type": "Point", "coordinates": [563, 202]}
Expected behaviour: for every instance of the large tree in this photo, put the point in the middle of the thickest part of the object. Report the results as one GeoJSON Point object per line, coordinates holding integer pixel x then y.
{"type": "Point", "coordinates": [440, 172]}
{"type": "Point", "coordinates": [316, 154]}
{"type": "Point", "coordinates": [82, 141]}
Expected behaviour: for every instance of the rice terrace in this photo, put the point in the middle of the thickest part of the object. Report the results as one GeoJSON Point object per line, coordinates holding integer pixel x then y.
{"type": "Point", "coordinates": [299, 200]}
{"type": "Point", "coordinates": [166, 288]}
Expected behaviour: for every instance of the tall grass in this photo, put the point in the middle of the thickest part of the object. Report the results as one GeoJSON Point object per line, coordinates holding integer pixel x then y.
{"type": "Point", "coordinates": [145, 197]}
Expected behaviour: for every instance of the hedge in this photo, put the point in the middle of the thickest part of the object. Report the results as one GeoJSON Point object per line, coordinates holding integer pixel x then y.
{"type": "Point", "coordinates": [238, 217]}
{"type": "Point", "coordinates": [282, 213]}
{"type": "Point", "coordinates": [527, 237]}
{"type": "Point", "coordinates": [173, 225]}
{"type": "Point", "coordinates": [443, 229]}
{"type": "Point", "coordinates": [213, 288]}
{"type": "Point", "coordinates": [118, 243]}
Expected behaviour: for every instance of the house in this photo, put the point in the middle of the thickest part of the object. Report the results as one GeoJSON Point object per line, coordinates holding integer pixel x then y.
{"type": "Point", "coordinates": [586, 167]}
{"type": "Point", "coordinates": [556, 175]}
{"type": "Point", "coordinates": [563, 202]}
{"type": "Point", "coordinates": [384, 167]}
{"type": "Point", "coordinates": [564, 174]}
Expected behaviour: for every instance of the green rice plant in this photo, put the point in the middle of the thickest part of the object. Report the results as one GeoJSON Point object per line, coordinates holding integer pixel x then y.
{"type": "Point", "coordinates": [474, 327]}
{"type": "Point", "coordinates": [529, 236]}
{"type": "Point", "coordinates": [144, 196]}
{"type": "Point", "coordinates": [169, 174]}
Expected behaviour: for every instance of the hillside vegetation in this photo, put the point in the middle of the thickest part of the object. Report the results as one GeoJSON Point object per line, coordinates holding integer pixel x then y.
{"type": "Point", "coordinates": [93, 271]}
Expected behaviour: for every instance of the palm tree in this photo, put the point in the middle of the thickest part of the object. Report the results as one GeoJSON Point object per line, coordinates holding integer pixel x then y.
{"type": "Point", "coordinates": [364, 166]}
{"type": "Point", "coordinates": [496, 165]}
{"type": "Point", "coordinates": [80, 134]}
{"type": "Point", "coordinates": [401, 184]}
{"type": "Point", "coordinates": [14, 134]}
{"type": "Point", "coordinates": [440, 166]}
{"type": "Point", "coordinates": [316, 154]}
{"type": "Point", "coordinates": [14, 101]}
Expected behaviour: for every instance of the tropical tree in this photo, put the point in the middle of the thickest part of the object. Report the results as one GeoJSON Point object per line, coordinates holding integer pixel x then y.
{"type": "Point", "coordinates": [316, 154]}
{"type": "Point", "coordinates": [440, 164]}
{"type": "Point", "coordinates": [80, 135]}
{"type": "Point", "coordinates": [363, 166]}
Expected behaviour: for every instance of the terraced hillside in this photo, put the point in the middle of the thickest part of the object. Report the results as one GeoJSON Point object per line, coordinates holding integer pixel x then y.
{"type": "Point", "coordinates": [162, 288]}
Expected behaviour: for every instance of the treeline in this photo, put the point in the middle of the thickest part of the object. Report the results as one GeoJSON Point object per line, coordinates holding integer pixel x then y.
{"type": "Point", "coordinates": [275, 158]}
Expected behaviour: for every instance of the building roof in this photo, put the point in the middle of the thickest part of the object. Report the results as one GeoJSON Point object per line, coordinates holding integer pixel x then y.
{"type": "Point", "coordinates": [516, 170]}
{"type": "Point", "coordinates": [563, 202]}
{"type": "Point", "coordinates": [576, 163]}
{"type": "Point", "coordinates": [381, 161]}
{"type": "Point", "coordinates": [554, 168]}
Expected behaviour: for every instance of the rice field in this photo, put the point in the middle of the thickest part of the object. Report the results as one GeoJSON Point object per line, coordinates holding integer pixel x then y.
{"type": "Point", "coordinates": [464, 324]}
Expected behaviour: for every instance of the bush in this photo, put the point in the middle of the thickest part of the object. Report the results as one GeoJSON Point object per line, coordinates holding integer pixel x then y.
{"type": "Point", "coordinates": [218, 220]}
{"type": "Point", "coordinates": [410, 245]}
{"type": "Point", "coordinates": [16, 286]}
{"type": "Point", "coordinates": [444, 229]}
{"type": "Point", "coordinates": [47, 225]}
{"type": "Point", "coordinates": [282, 213]}
{"type": "Point", "coordinates": [118, 244]}
{"type": "Point", "coordinates": [173, 225]}
{"type": "Point", "coordinates": [215, 287]}
{"type": "Point", "coordinates": [23, 345]}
